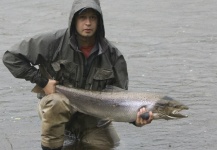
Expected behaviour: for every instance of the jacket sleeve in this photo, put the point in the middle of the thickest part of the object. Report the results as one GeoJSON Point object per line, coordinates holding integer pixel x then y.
{"type": "Point", "coordinates": [120, 70]}
{"type": "Point", "coordinates": [22, 58]}
{"type": "Point", "coordinates": [121, 74]}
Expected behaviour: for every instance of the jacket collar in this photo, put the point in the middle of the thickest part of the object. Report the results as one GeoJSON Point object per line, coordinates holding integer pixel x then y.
{"type": "Point", "coordinates": [102, 45]}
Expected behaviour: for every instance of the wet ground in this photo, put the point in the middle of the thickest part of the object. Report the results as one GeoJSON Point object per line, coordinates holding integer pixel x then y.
{"type": "Point", "coordinates": [170, 48]}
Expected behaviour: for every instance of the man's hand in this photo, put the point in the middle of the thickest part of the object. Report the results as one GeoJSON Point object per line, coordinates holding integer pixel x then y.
{"type": "Point", "coordinates": [50, 87]}
{"type": "Point", "coordinates": [141, 122]}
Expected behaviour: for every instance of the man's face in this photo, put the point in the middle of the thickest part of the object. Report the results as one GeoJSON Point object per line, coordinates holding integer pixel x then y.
{"type": "Point", "coordinates": [86, 23]}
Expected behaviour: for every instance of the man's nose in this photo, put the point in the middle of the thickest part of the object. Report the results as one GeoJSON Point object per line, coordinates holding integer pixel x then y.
{"type": "Point", "coordinates": [88, 21]}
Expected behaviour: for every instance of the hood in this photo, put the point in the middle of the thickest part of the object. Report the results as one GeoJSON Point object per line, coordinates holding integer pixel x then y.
{"type": "Point", "coordinates": [80, 4]}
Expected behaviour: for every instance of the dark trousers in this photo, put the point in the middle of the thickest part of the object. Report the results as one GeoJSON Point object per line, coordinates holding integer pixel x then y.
{"type": "Point", "coordinates": [57, 115]}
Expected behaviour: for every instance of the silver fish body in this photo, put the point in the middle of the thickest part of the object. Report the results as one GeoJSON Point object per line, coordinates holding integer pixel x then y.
{"type": "Point", "coordinates": [121, 106]}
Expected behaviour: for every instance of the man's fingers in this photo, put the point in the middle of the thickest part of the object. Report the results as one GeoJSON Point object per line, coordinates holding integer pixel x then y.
{"type": "Point", "coordinates": [146, 117]}
{"type": "Point", "coordinates": [151, 117]}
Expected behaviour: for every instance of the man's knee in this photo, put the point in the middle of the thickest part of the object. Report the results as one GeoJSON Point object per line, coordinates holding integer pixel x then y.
{"type": "Point", "coordinates": [55, 104]}
{"type": "Point", "coordinates": [55, 111]}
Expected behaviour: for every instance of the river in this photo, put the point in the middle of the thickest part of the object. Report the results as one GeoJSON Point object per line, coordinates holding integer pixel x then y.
{"type": "Point", "coordinates": [169, 46]}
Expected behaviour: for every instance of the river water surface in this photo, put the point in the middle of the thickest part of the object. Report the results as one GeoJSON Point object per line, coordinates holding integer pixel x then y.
{"type": "Point", "coordinates": [169, 46]}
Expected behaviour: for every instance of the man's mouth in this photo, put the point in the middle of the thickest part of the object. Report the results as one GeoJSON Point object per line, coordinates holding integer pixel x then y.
{"type": "Point", "coordinates": [87, 30]}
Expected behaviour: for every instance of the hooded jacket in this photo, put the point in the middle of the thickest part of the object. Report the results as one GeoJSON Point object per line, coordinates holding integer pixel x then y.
{"type": "Point", "coordinates": [59, 55]}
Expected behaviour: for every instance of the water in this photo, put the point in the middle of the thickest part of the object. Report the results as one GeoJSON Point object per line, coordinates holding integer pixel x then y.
{"type": "Point", "coordinates": [170, 48]}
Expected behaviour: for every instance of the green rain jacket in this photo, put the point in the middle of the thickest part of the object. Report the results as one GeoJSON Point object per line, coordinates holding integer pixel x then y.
{"type": "Point", "coordinates": [59, 54]}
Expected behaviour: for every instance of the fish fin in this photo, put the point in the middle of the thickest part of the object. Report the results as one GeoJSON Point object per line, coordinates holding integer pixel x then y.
{"type": "Point", "coordinates": [103, 123]}
{"type": "Point", "coordinates": [111, 88]}
{"type": "Point", "coordinates": [37, 89]}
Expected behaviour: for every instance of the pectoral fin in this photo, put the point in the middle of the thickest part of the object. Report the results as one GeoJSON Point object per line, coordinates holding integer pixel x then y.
{"type": "Point", "coordinates": [103, 123]}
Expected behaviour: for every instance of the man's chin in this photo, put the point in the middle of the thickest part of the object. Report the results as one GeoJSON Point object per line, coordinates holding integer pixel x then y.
{"type": "Point", "coordinates": [88, 36]}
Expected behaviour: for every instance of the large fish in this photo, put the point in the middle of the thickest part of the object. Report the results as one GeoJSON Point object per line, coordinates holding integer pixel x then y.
{"type": "Point", "coordinates": [121, 105]}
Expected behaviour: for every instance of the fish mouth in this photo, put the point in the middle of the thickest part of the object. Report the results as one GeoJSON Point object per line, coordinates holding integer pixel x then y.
{"type": "Point", "coordinates": [176, 113]}
{"type": "Point", "coordinates": [172, 113]}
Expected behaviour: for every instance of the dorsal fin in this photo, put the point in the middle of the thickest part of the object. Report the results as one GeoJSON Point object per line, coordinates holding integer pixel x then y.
{"type": "Point", "coordinates": [111, 88]}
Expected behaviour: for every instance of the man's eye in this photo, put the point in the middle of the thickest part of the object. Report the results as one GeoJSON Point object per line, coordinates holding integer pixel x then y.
{"type": "Point", "coordinates": [82, 17]}
{"type": "Point", "coordinates": [93, 17]}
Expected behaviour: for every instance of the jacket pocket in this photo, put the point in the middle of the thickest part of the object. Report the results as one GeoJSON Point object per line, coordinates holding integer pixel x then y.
{"type": "Point", "coordinates": [67, 72]}
{"type": "Point", "coordinates": [101, 78]}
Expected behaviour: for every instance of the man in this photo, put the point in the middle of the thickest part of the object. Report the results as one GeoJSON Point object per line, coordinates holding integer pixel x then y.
{"type": "Point", "coordinates": [80, 57]}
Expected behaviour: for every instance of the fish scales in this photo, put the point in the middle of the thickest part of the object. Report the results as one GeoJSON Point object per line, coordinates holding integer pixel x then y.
{"type": "Point", "coordinates": [121, 106]}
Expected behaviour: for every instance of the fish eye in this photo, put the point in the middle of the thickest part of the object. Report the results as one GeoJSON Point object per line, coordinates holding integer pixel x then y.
{"type": "Point", "coordinates": [176, 106]}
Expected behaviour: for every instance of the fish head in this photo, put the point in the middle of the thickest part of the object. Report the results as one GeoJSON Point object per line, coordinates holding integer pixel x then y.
{"type": "Point", "coordinates": [168, 108]}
